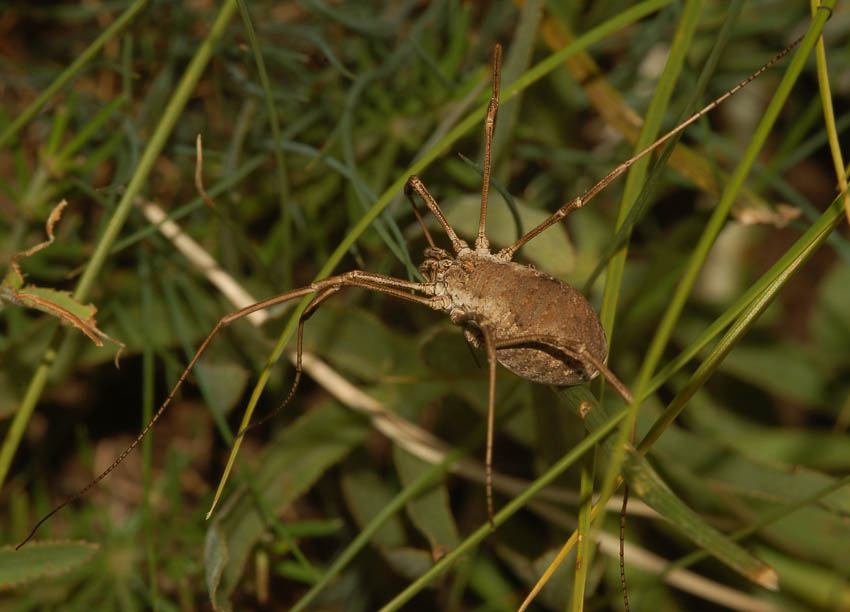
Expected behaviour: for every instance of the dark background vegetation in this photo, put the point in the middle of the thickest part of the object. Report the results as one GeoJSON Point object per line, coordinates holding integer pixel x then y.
{"type": "Point", "coordinates": [359, 89]}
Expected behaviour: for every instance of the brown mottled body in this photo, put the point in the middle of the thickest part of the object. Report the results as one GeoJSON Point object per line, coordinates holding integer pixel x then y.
{"type": "Point", "coordinates": [517, 301]}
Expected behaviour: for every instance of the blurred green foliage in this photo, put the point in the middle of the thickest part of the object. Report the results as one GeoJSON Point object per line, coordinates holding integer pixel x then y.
{"type": "Point", "coordinates": [360, 91]}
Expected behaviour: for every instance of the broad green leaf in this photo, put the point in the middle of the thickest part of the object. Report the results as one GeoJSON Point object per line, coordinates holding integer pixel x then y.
{"type": "Point", "coordinates": [830, 318]}
{"type": "Point", "coordinates": [817, 586]}
{"type": "Point", "coordinates": [446, 353]}
{"type": "Point", "coordinates": [719, 479]}
{"type": "Point", "coordinates": [556, 593]}
{"type": "Point", "coordinates": [430, 512]}
{"type": "Point", "coordinates": [718, 458]}
{"type": "Point", "coordinates": [292, 570]}
{"type": "Point", "coordinates": [825, 450]}
{"type": "Point", "coordinates": [782, 368]}
{"type": "Point", "coordinates": [358, 342]}
{"type": "Point", "coordinates": [40, 559]}
{"type": "Point", "coordinates": [807, 533]}
{"type": "Point", "coordinates": [365, 494]}
{"type": "Point", "coordinates": [216, 557]}
{"type": "Point", "coordinates": [817, 449]}
{"type": "Point", "coordinates": [488, 582]}
{"type": "Point", "coordinates": [409, 562]}
{"type": "Point", "coordinates": [226, 382]}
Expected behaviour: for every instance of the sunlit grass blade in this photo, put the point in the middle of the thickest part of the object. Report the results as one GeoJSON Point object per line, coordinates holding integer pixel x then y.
{"type": "Point", "coordinates": [768, 287]}
{"type": "Point", "coordinates": [780, 272]}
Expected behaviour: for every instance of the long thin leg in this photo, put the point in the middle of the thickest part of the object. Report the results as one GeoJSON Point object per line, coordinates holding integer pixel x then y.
{"type": "Point", "coordinates": [299, 344]}
{"type": "Point", "coordinates": [616, 172]}
{"type": "Point", "coordinates": [409, 194]}
{"type": "Point", "coordinates": [354, 278]}
{"type": "Point", "coordinates": [576, 351]}
{"type": "Point", "coordinates": [490, 345]}
{"type": "Point", "coordinates": [580, 353]}
{"type": "Point", "coordinates": [623, 548]}
{"type": "Point", "coordinates": [481, 242]}
{"type": "Point", "coordinates": [414, 183]}
{"type": "Point", "coordinates": [308, 312]}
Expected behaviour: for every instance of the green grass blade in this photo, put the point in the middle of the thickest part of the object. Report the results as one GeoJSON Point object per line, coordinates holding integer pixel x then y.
{"type": "Point", "coordinates": [769, 286]}
{"type": "Point", "coordinates": [829, 116]}
{"type": "Point", "coordinates": [78, 64]}
{"type": "Point", "coordinates": [788, 265]}
{"type": "Point", "coordinates": [40, 560]}
{"type": "Point", "coordinates": [283, 180]}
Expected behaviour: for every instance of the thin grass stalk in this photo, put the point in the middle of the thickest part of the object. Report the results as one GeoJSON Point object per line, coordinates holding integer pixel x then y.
{"type": "Point", "coordinates": [585, 539]}
{"type": "Point", "coordinates": [829, 116]}
{"type": "Point", "coordinates": [283, 180]}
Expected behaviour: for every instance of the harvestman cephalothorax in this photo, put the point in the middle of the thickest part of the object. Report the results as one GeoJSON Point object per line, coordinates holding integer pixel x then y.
{"type": "Point", "coordinates": [535, 325]}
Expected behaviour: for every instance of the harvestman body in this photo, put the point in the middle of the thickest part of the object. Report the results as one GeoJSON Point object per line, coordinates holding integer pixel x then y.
{"type": "Point", "coordinates": [535, 325]}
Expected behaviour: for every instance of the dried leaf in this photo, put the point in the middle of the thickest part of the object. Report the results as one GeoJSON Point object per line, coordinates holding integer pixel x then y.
{"type": "Point", "coordinates": [57, 303]}
{"type": "Point", "coordinates": [52, 219]}
{"type": "Point", "coordinates": [780, 216]}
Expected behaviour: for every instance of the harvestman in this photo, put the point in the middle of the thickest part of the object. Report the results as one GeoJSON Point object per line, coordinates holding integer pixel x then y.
{"type": "Point", "coordinates": [535, 325]}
